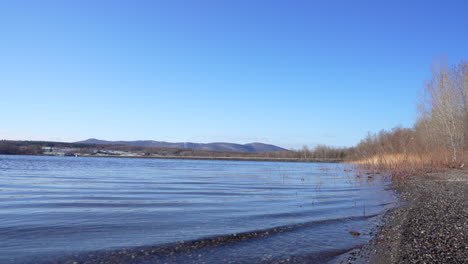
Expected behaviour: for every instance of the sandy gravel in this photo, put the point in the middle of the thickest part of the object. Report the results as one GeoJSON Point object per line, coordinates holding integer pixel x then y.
{"type": "Point", "coordinates": [430, 226]}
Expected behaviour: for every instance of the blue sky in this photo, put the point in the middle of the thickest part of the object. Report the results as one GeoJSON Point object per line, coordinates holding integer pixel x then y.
{"type": "Point", "coordinates": [283, 72]}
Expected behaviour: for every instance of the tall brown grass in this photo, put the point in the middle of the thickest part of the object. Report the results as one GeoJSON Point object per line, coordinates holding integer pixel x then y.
{"type": "Point", "coordinates": [403, 165]}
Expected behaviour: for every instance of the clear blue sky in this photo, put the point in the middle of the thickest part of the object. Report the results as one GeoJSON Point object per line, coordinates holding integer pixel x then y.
{"type": "Point", "coordinates": [281, 72]}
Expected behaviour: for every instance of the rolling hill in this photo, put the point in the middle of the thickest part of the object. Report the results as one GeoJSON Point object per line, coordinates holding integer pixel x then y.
{"type": "Point", "coordinates": [216, 146]}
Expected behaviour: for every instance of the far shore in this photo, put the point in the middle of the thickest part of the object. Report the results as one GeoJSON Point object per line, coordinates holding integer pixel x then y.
{"type": "Point", "coordinates": [215, 158]}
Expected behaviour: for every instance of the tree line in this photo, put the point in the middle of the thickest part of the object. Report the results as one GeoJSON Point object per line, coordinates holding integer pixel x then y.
{"type": "Point", "coordinates": [440, 135]}
{"type": "Point", "coordinates": [18, 148]}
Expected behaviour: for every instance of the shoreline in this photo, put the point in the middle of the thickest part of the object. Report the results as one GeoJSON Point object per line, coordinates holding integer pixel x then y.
{"type": "Point", "coordinates": [430, 225]}
{"type": "Point", "coordinates": [200, 158]}
{"type": "Point", "coordinates": [225, 158]}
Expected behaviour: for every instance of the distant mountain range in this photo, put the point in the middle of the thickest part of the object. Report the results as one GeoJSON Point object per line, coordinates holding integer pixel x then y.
{"type": "Point", "coordinates": [217, 146]}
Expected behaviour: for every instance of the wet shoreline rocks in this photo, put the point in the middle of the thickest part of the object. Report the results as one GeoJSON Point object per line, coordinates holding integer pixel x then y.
{"type": "Point", "coordinates": [430, 225]}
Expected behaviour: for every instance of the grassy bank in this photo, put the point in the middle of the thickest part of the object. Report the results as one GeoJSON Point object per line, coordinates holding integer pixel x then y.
{"type": "Point", "coordinates": [402, 165]}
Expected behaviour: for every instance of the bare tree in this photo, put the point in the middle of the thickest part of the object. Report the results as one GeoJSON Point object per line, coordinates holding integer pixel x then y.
{"type": "Point", "coordinates": [445, 111]}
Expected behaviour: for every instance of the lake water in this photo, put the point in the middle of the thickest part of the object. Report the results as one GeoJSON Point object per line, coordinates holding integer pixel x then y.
{"type": "Point", "coordinates": [116, 209]}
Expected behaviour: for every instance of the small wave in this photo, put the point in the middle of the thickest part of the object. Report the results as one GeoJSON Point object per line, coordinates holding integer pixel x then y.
{"type": "Point", "coordinates": [153, 253]}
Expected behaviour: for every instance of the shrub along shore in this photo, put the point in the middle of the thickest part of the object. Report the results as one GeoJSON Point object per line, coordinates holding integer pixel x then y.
{"type": "Point", "coordinates": [439, 138]}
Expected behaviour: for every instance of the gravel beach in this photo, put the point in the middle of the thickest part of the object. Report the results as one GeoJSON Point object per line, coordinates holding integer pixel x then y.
{"type": "Point", "coordinates": [430, 225]}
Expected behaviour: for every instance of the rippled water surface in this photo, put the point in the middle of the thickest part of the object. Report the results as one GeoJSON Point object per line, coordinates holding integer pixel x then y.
{"type": "Point", "coordinates": [56, 207]}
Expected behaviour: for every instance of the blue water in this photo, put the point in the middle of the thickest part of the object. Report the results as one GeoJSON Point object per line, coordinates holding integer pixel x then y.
{"type": "Point", "coordinates": [54, 207]}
